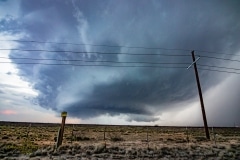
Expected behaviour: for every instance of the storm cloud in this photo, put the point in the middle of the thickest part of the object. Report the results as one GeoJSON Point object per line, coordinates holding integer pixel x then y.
{"type": "Point", "coordinates": [140, 93]}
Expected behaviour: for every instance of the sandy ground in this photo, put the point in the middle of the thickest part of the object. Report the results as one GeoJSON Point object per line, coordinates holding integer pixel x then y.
{"type": "Point", "coordinates": [37, 141]}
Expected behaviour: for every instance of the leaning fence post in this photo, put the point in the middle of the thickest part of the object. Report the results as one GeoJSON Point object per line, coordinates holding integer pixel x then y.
{"type": "Point", "coordinates": [147, 138]}
{"type": "Point", "coordinates": [187, 135]}
{"type": "Point", "coordinates": [61, 131]}
{"type": "Point", "coordinates": [214, 136]}
{"type": "Point", "coordinates": [72, 134]}
{"type": "Point", "coordinates": [104, 134]}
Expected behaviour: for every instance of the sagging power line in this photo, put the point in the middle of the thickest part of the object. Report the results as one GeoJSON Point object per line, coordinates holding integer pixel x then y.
{"type": "Point", "coordinates": [217, 53]}
{"type": "Point", "coordinates": [219, 58]}
{"type": "Point", "coordinates": [100, 45]}
{"type": "Point", "coordinates": [122, 46]}
{"type": "Point", "coordinates": [81, 52]}
{"type": "Point", "coordinates": [99, 65]}
{"type": "Point", "coordinates": [81, 60]}
{"type": "Point", "coordinates": [119, 66]}
{"type": "Point", "coordinates": [212, 66]}
{"type": "Point", "coordinates": [118, 53]}
{"type": "Point", "coordinates": [215, 70]}
{"type": "Point", "coordinates": [150, 64]}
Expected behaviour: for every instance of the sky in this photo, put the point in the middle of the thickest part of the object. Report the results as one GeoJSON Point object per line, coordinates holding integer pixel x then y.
{"type": "Point", "coordinates": [119, 62]}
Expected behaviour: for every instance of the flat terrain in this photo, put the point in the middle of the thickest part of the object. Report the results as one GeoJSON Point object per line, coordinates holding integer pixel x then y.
{"type": "Point", "coordinates": [37, 141]}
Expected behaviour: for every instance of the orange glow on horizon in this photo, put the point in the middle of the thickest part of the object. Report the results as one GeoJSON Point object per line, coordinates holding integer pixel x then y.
{"type": "Point", "coordinates": [8, 112]}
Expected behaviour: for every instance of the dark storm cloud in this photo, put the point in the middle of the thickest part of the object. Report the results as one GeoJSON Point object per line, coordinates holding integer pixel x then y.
{"type": "Point", "coordinates": [132, 95]}
{"type": "Point", "coordinates": [92, 91]}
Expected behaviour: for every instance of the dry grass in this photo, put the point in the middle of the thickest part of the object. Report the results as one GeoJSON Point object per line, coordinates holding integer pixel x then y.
{"type": "Point", "coordinates": [123, 142]}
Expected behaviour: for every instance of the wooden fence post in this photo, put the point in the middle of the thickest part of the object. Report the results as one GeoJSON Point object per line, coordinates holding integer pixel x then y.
{"type": "Point", "coordinates": [60, 135]}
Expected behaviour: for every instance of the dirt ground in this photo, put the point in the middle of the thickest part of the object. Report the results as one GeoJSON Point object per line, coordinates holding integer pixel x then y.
{"type": "Point", "coordinates": [38, 141]}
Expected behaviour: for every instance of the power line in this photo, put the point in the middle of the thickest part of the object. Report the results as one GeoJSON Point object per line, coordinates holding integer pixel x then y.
{"type": "Point", "coordinates": [117, 66]}
{"type": "Point", "coordinates": [114, 46]}
{"type": "Point", "coordinates": [215, 70]}
{"type": "Point", "coordinates": [201, 51]}
{"type": "Point", "coordinates": [114, 53]}
{"type": "Point", "coordinates": [100, 65]}
{"type": "Point", "coordinates": [80, 60]}
{"type": "Point", "coordinates": [100, 45]}
{"type": "Point", "coordinates": [141, 62]}
{"type": "Point", "coordinates": [218, 67]}
{"type": "Point", "coordinates": [225, 59]}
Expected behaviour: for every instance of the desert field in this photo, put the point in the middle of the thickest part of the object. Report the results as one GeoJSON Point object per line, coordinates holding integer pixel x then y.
{"type": "Point", "coordinates": [38, 141]}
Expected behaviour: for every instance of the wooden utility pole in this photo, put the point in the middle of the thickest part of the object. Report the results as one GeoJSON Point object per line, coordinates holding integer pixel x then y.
{"type": "Point", "coordinates": [201, 98]}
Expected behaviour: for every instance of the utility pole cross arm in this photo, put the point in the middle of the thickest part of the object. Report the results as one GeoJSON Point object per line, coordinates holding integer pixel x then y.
{"type": "Point", "coordinates": [193, 63]}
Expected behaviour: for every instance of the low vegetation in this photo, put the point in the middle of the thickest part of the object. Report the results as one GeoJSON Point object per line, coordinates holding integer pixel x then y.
{"type": "Point", "coordinates": [117, 142]}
